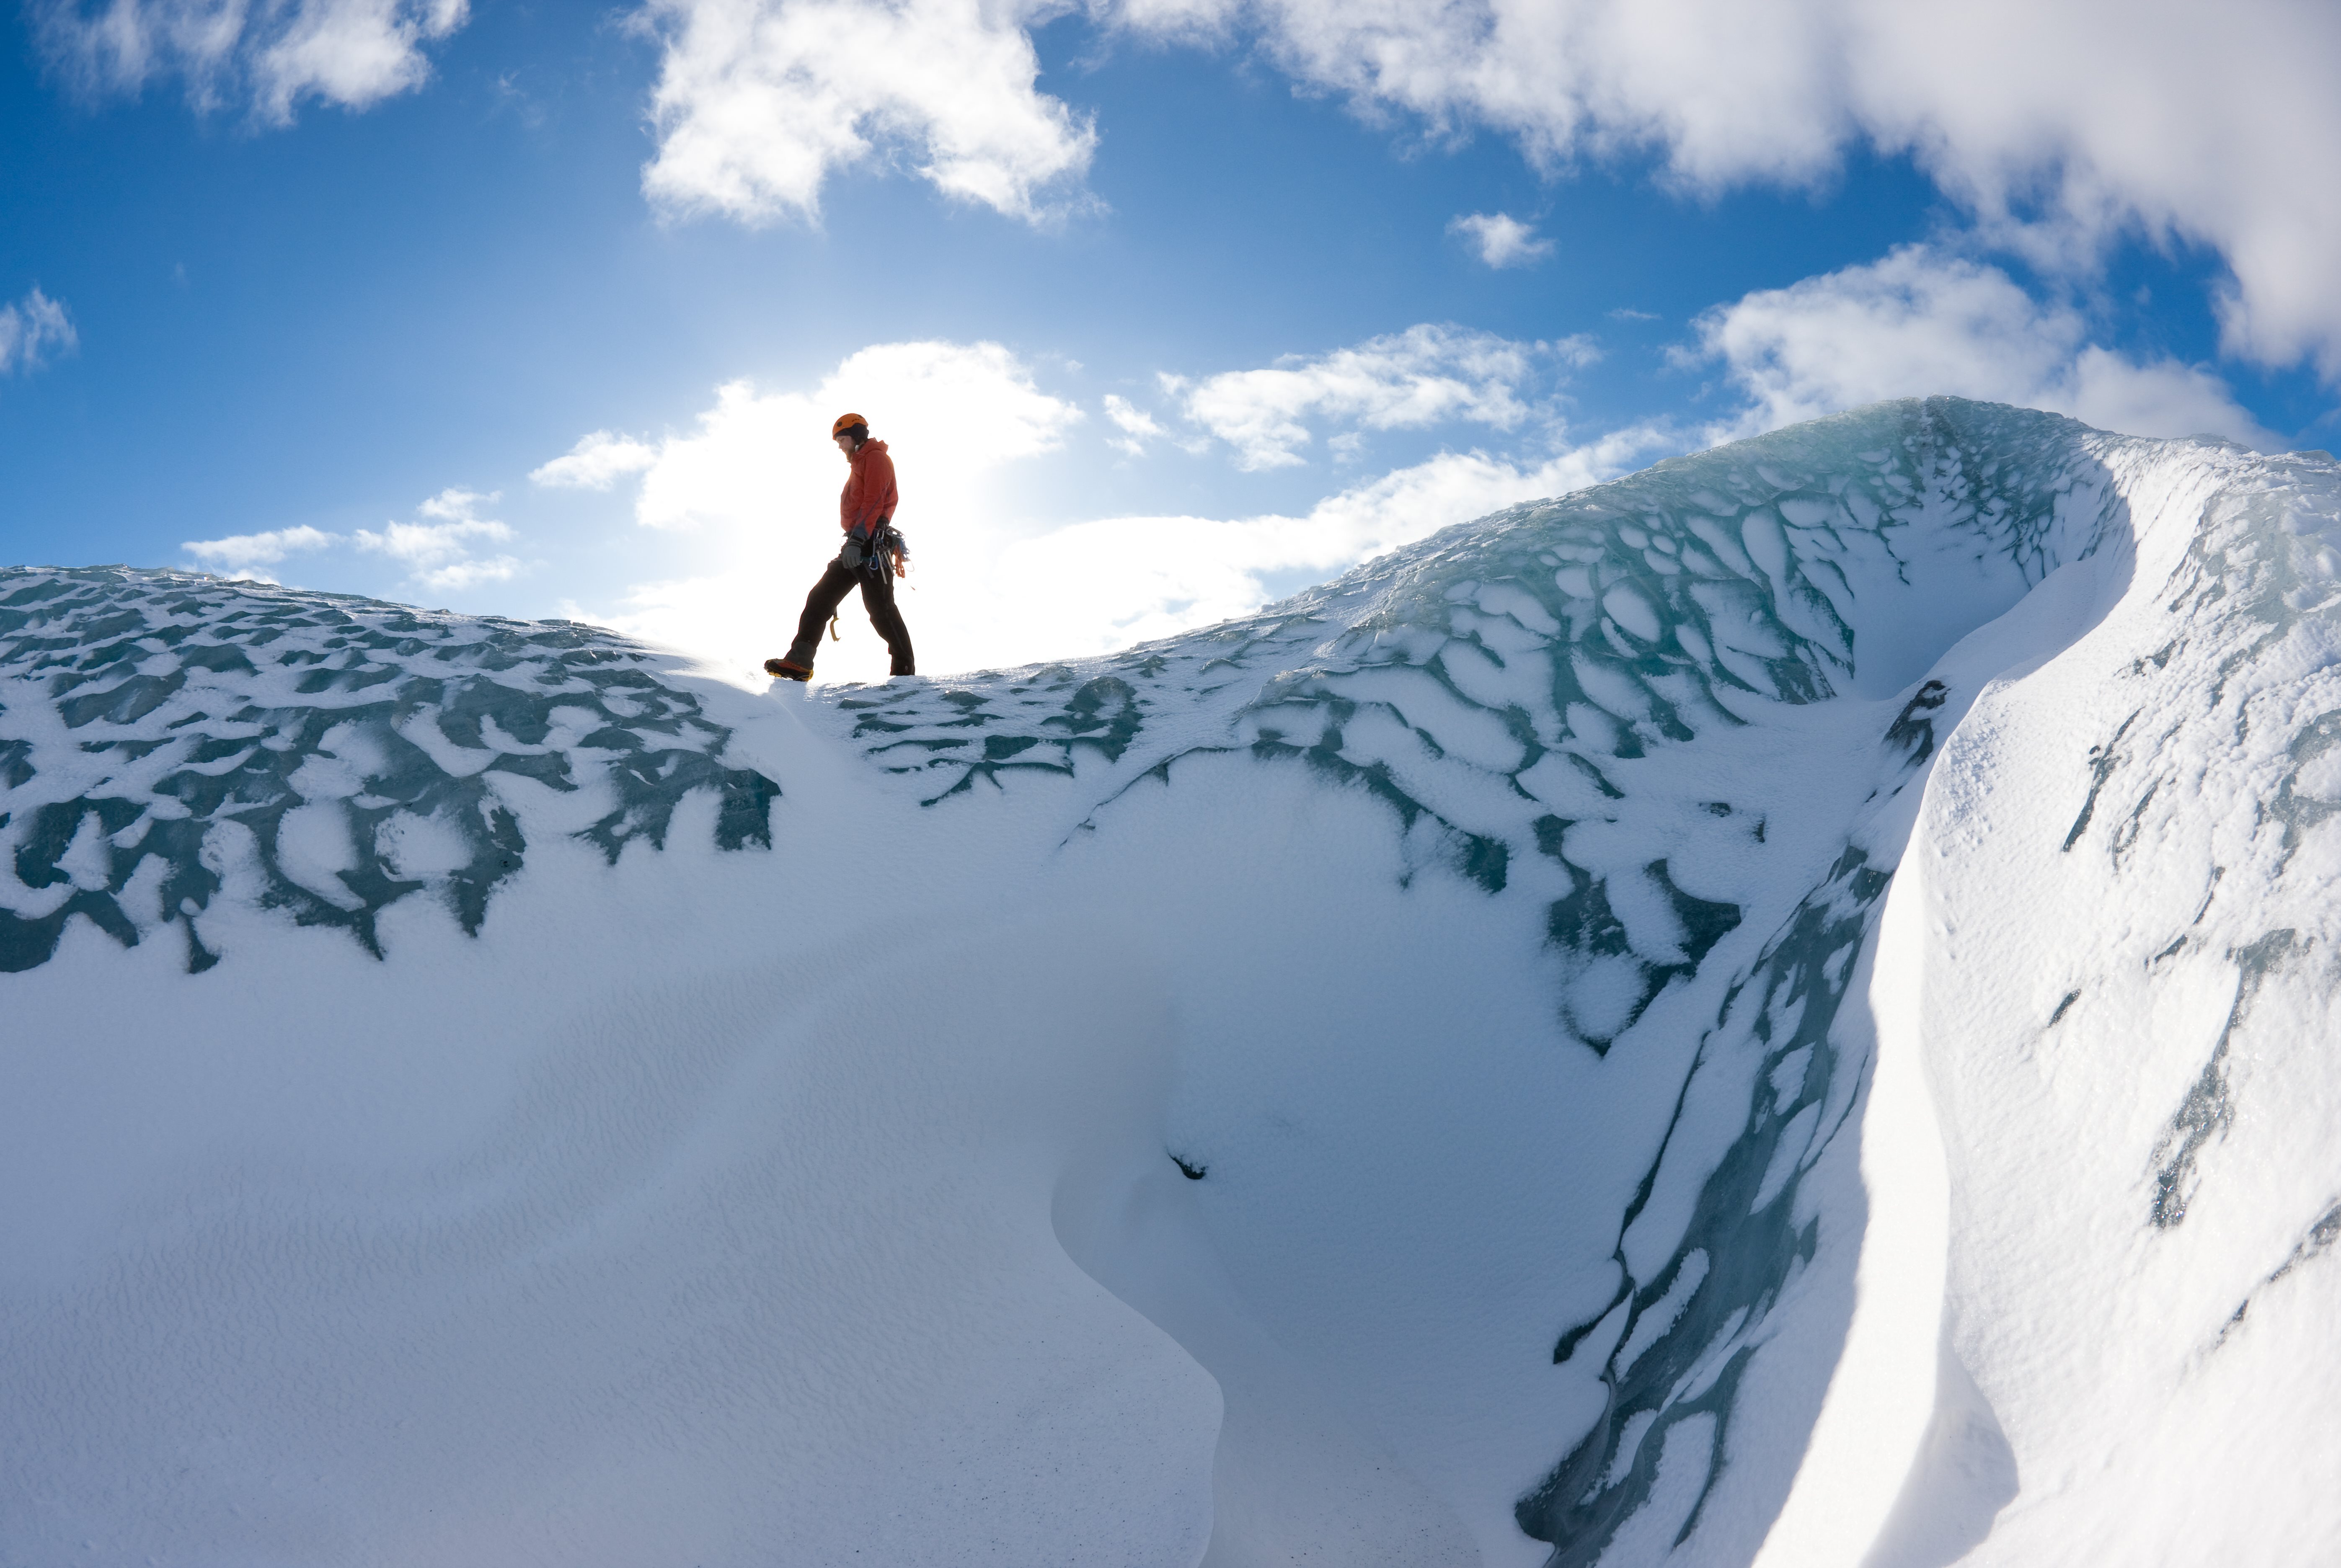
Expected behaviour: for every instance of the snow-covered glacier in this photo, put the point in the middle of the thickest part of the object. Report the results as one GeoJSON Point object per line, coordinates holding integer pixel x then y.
{"type": "Point", "coordinates": [1778, 1010]}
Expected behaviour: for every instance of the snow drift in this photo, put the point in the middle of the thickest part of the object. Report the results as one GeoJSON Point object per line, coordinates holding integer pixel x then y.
{"type": "Point", "coordinates": [1779, 1009]}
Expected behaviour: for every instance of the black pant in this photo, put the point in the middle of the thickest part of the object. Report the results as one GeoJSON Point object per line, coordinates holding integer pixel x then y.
{"type": "Point", "coordinates": [877, 598]}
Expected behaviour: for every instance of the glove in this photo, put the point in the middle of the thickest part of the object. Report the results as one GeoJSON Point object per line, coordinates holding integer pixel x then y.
{"type": "Point", "coordinates": [849, 557]}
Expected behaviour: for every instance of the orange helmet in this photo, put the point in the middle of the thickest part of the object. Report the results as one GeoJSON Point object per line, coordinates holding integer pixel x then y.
{"type": "Point", "coordinates": [846, 422]}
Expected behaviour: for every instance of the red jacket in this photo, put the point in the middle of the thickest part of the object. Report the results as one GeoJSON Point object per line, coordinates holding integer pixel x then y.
{"type": "Point", "coordinates": [869, 496]}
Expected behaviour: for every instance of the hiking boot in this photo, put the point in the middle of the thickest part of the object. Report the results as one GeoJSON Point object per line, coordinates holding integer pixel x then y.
{"type": "Point", "coordinates": [787, 670]}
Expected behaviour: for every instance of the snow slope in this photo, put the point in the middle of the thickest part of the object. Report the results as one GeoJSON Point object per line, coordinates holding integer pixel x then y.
{"type": "Point", "coordinates": [1777, 1009]}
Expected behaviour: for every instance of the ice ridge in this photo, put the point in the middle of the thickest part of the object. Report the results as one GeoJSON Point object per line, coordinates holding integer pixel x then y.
{"type": "Point", "coordinates": [1634, 785]}
{"type": "Point", "coordinates": [1494, 685]}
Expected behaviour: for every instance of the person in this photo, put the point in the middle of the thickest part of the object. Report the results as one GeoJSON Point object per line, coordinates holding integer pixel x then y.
{"type": "Point", "coordinates": [871, 556]}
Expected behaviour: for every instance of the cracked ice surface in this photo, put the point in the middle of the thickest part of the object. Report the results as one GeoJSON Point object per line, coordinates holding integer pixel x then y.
{"type": "Point", "coordinates": [1490, 936]}
{"type": "Point", "coordinates": [160, 733]}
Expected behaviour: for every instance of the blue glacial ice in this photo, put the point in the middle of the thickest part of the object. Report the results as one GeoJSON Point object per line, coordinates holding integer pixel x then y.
{"type": "Point", "coordinates": [1438, 1014]}
{"type": "Point", "coordinates": [348, 750]}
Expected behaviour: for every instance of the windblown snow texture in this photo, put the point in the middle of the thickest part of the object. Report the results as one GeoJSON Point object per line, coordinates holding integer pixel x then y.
{"type": "Point", "coordinates": [1507, 911]}
{"type": "Point", "coordinates": [159, 725]}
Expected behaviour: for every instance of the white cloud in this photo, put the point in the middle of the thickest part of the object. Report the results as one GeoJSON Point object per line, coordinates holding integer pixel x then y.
{"type": "Point", "coordinates": [349, 53]}
{"type": "Point", "coordinates": [1501, 240]}
{"type": "Point", "coordinates": [597, 462]}
{"type": "Point", "coordinates": [1424, 376]}
{"type": "Point", "coordinates": [988, 598]}
{"type": "Point", "coordinates": [436, 552]}
{"type": "Point", "coordinates": [439, 554]}
{"type": "Point", "coordinates": [749, 494]}
{"type": "Point", "coordinates": [1096, 586]}
{"type": "Point", "coordinates": [759, 101]}
{"type": "Point", "coordinates": [2058, 125]}
{"type": "Point", "coordinates": [461, 576]}
{"type": "Point", "coordinates": [1920, 323]}
{"type": "Point", "coordinates": [243, 554]}
{"type": "Point", "coordinates": [31, 329]}
{"type": "Point", "coordinates": [1137, 426]}
{"type": "Point", "coordinates": [2163, 397]}
{"type": "Point", "coordinates": [746, 495]}
{"type": "Point", "coordinates": [964, 408]}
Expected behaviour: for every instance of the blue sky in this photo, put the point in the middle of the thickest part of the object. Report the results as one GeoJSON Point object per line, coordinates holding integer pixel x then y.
{"type": "Point", "coordinates": [1166, 306]}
